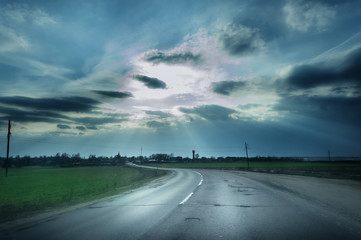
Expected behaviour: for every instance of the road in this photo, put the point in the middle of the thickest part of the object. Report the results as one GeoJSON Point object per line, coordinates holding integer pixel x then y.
{"type": "Point", "coordinates": [201, 204]}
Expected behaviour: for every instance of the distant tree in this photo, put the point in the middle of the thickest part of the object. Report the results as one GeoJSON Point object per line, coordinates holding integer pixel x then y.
{"type": "Point", "coordinates": [76, 159]}
{"type": "Point", "coordinates": [161, 157]}
{"type": "Point", "coordinates": [204, 159]}
{"type": "Point", "coordinates": [18, 161]}
{"type": "Point", "coordinates": [119, 160]}
{"type": "Point", "coordinates": [27, 160]}
{"type": "Point", "coordinates": [220, 159]}
{"type": "Point", "coordinates": [65, 160]}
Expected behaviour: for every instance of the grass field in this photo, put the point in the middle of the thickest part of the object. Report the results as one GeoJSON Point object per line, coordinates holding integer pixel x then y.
{"type": "Point", "coordinates": [347, 170]}
{"type": "Point", "coordinates": [218, 165]}
{"type": "Point", "coordinates": [29, 190]}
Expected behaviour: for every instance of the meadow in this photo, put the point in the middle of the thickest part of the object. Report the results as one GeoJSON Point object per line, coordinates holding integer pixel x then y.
{"type": "Point", "coordinates": [36, 189]}
{"type": "Point", "coordinates": [347, 170]}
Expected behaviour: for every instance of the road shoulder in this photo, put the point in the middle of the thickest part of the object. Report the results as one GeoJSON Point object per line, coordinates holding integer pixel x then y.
{"type": "Point", "coordinates": [341, 196]}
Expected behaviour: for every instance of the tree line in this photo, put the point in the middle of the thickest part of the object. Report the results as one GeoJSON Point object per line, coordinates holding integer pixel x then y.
{"type": "Point", "coordinates": [75, 160]}
{"type": "Point", "coordinates": [64, 160]}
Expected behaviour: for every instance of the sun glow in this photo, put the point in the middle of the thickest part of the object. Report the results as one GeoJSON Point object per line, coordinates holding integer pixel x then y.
{"type": "Point", "coordinates": [179, 80]}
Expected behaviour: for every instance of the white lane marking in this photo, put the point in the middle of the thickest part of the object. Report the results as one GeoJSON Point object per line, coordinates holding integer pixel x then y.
{"type": "Point", "coordinates": [190, 195]}
{"type": "Point", "coordinates": [186, 199]}
{"type": "Point", "coordinates": [200, 182]}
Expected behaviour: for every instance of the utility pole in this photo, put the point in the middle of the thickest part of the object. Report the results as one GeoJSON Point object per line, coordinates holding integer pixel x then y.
{"type": "Point", "coordinates": [7, 151]}
{"type": "Point", "coordinates": [193, 154]}
{"type": "Point", "coordinates": [329, 155]}
{"type": "Point", "coordinates": [245, 143]}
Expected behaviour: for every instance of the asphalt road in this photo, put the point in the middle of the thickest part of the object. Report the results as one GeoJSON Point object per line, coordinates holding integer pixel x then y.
{"type": "Point", "coordinates": [202, 204]}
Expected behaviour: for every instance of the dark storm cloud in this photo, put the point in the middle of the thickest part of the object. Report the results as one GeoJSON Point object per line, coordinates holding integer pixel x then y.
{"type": "Point", "coordinates": [114, 94]}
{"type": "Point", "coordinates": [238, 40]}
{"type": "Point", "coordinates": [210, 112]}
{"type": "Point", "coordinates": [28, 118]}
{"type": "Point", "coordinates": [346, 110]}
{"type": "Point", "coordinates": [19, 115]}
{"type": "Point", "coordinates": [62, 121]}
{"type": "Point", "coordinates": [24, 109]}
{"type": "Point", "coordinates": [66, 104]}
{"type": "Point", "coordinates": [63, 126]}
{"type": "Point", "coordinates": [312, 75]}
{"type": "Point", "coordinates": [157, 124]}
{"type": "Point", "coordinates": [151, 82]}
{"type": "Point", "coordinates": [160, 114]}
{"type": "Point", "coordinates": [227, 87]}
{"type": "Point", "coordinates": [81, 128]}
{"type": "Point", "coordinates": [93, 122]}
{"type": "Point", "coordinates": [173, 58]}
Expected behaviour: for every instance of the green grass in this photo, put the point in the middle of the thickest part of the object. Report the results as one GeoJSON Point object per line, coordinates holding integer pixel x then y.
{"type": "Point", "coordinates": [29, 190]}
{"type": "Point", "coordinates": [346, 170]}
{"type": "Point", "coordinates": [230, 165]}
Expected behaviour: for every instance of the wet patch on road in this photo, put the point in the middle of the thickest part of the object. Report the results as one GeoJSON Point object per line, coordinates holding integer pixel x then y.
{"type": "Point", "coordinates": [93, 207]}
{"type": "Point", "coordinates": [247, 191]}
{"type": "Point", "coordinates": [192, 219]}
{"type": "Point", "coordinates": [228, 205]}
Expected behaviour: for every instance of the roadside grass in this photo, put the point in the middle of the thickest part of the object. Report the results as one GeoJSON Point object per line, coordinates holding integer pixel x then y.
{"type": "Point", "coordinates": [347, 170]}
{"type": "Point", "coordinates": [219, 165]}
{"type": "Point", "coordinates": [31, 190]}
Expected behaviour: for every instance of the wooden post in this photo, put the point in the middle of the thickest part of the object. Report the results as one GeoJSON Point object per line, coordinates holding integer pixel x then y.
{"type": "Point", "coordinates": [245, 143]}
{"type": "Point", "coordinates": [7, 163]}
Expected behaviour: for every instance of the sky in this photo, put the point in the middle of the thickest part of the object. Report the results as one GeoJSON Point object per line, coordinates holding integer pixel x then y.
{"type": "Point", "coordinates": [144, 77]}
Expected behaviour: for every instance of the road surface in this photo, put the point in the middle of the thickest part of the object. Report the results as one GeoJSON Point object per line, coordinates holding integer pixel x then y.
{"type": "Point", "coordinates": [202, 204]}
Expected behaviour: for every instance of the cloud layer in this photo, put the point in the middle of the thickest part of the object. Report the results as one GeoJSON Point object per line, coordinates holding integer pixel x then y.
{"type": "Point", "coordinates": [306, 15]}
{"type": "Point", "coordinates": [238, 40]}
{"type": "Point", "coordinates": [153, 83]}
{"type": "Point", "coordinates": [65, 104]}
{"type": "Point", "coordinates": [156, 56]}
{"type": "Point", "coordinates": [227, 87]}
{"type": "Point", "coordinates": [345, 69]}
{"type": "Point", "coordinates": [193, 73]}
{"type": "Point", "coordinates": [210, 112]}
{"type": "Point", "coordinates": [114, 94]}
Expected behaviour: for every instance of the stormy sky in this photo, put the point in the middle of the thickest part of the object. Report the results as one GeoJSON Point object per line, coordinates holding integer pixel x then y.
{"type": "Point", "coordinates": [102, 77]}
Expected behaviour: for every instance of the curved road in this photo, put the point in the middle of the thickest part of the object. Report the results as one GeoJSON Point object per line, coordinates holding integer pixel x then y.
{"type": "Point", "coordinates": [202, 204]}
